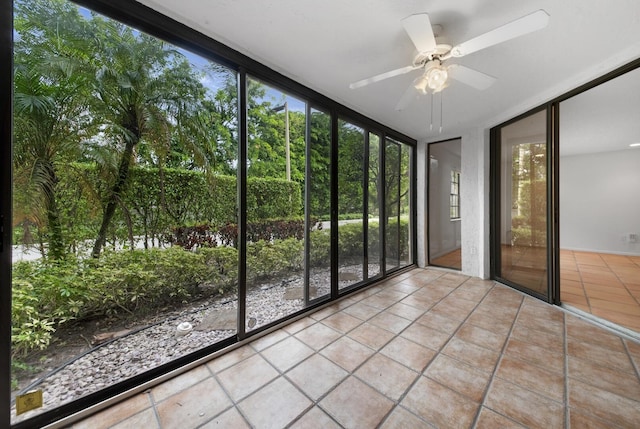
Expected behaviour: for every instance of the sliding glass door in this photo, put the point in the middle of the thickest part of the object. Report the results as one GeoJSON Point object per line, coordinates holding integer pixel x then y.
{"type": "Point", "coordinates": [521, 151]}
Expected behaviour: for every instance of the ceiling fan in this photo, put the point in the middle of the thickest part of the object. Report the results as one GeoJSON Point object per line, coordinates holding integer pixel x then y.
{"type": "Point", "coordinates": [432, 55]}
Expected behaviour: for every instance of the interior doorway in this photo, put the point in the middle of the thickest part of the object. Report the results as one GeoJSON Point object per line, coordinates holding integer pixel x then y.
{"type": "Point", "coordinates": [445, 169]}
{"type": "Point", "coordinates": [599, 204]}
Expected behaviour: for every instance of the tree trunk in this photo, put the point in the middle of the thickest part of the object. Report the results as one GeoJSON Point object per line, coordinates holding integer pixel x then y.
{"type": "Point", "coordinates": [56, 242]}
{"type": "Point", "coordinates": [114, 196]}
{"type": "Point", "coordinates": [54, 227]}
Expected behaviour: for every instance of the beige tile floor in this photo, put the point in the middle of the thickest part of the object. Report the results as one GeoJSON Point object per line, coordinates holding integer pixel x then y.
{"type": "Point", "coordinates": [605, 285]}
{"type": "Point", "coordinates": [425, 349]}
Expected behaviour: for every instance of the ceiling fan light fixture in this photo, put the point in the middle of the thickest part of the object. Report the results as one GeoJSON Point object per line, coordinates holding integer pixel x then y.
{"type": "Point", "coordinates": [437, 78]}
{"type": "Point", "coordinates": [421, 83]}
{"type": "Point", "coordinates": [434, 79]}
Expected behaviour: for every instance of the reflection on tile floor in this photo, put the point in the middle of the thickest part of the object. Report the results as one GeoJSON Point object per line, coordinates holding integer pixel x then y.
{"type": "Point", "coordinates": [422, 350]}
{"type": "Point", "coordinates": [605, 285]}
{"type": "Point", "coordinates": [525, 266]}
{"type": "Point", "coordinates": [450, 260]}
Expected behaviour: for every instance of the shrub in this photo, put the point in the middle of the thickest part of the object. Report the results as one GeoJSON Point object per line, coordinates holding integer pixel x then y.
{"type": "Point", "coordinates": [199, 236]}
{"type": "Point", "coordinates": [46, 295]}
{"type": "Point", "coordinates": [156, 200]}
{"type": "Point", "coordinates": [320, 248]}
{"type": "Point", "coordinates": [29, 329]}
{"type": "Point", "coordinates": [273, 199]}
{"type": "Point", "coordinates": [272, 259]}
{"type": "Point", "coordinates": [144, 279]}
{"type": "Point", "coordinates": [222, 268]}
{"type": "Point", "coordinates": [393, 230]}
{"type": "Point", "coordinates": [189, 237]}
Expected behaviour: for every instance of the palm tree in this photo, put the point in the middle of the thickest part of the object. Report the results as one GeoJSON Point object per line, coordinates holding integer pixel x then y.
{"type": "Point", "coordinates": [50, 111]}
{"type": "Point", "coordinates": [146, 95]}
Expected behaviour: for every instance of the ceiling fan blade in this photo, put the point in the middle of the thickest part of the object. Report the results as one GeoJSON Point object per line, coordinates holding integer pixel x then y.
{"type": "Point", "coordinates": [382, 76]}
{"type": "Point", "coordinates": [527, 24]}
{"type": "Point", "coordinates": [418, 27]}
{"type": "Point", "coordinates": [409, 95]}
{"type": "Point", "coordinates": [471, 77]}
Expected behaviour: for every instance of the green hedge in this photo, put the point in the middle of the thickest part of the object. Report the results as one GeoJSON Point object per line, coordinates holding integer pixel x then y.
{"type": "Point", "coordinates": [155, 201]}
{"type": "Point", "coordinates": [46, 295]}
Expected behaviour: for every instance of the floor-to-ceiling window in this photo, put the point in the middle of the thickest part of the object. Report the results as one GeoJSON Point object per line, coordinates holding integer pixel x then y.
{"type": "Point", "coordinates": [168, 203]}
{"type": "Point", "coordinates": [374, 239]}
{"type": "Point", "coordinates": [124, 210]}
{"type": "Point", "coordinates": [276, 171]}
{"type": "Point", "coordinates": [351, 204]}
{"type": "Point", "coordinates": [318, 205]}
{"type": "Point", "coordinates": [405, 178]}
{"type": "Point", "coordinates": [398, 220]}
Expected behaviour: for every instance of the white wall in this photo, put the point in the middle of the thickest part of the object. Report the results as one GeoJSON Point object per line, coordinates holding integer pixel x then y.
{"type": "Point", "coordinates": [421, 204]}
{"type": "Point", "coordinates": [475, 204]}
{"type": "Point", "coordinates": [600, 201]}
{"type": "Point", "coordinates": [444, 233]}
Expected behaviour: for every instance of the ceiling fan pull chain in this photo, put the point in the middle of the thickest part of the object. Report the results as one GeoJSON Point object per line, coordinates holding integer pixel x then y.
{"type": "Point", "coordinates": [441, 112]}
{"type": "Point", "coordinates": [431, 126]}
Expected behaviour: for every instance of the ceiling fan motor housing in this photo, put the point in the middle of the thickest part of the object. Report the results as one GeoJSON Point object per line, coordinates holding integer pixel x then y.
{"type": "Point", "coordinates": [422, 58]}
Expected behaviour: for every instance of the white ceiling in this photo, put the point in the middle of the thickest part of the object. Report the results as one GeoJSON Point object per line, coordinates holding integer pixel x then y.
{"type": "Point", "coordinates": [603, 119]}
{"type": "Point", "coordinates": [328, 44]}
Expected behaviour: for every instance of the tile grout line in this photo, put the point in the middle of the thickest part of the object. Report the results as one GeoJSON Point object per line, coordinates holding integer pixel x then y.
{"type": "Point", "coordinates": [233, 403]}
{"type": "Point", "coordinates": [154, 407]}
{"type": "Point", "coordinates": [584, 289]}
{"type": "Point", "coordinates": [283, 374]}
{"type": "Point", "coordinates": [565, 347]}
{"type": "Point", "coordinates": [633, 362]}
{"type": "Point", "coordinates": [317, 352]}
{"type": "Point", "coordinates": [608, 267]}
{"type": "Point", "coordinates": [402, 396]}
{"type": "Point", "coordinates": [495, 369]}
{"type": "Point", "coordinates": [624, 285]}
{"type": "Point", "coordinates": [439, 351]}
{"type": "Point", "coordinates": [375, 352]}
{"type": "Point", "coordinates": [421, 373]}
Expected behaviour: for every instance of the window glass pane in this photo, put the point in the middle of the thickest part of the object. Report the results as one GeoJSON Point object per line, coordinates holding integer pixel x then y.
{"type": "Point", "coordinates": [275, 204]}
{"type": "Point", "coordinates": [392, 204]}
{"type": "Point", "coordinates": [125, 202]}
{"type": "Point", "coordinates": [351, 184]}
{"type": "Point", "coordinates": [524, 202]}
{"type": "Point", "coordinates": [319, 209]}
{"type": "Point", "coordinates": [373, 236]}
{"type": "Point", "coordinates": [405, 205]}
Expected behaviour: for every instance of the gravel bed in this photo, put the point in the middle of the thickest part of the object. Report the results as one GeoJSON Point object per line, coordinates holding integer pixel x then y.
{"type": "Point", "coordinates": [152, 346]}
